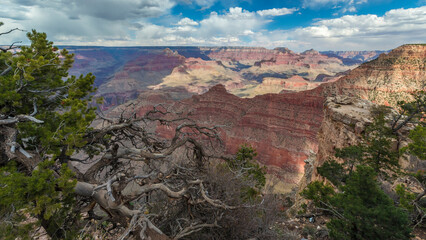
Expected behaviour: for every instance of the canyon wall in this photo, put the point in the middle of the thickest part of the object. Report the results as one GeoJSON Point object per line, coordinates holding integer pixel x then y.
{"type": "Point", "coordinates": [124, 72]}
{"type": "Point", "coordinates": [284, 127]}
{"type": "Point", "coordinates": [386, 80]}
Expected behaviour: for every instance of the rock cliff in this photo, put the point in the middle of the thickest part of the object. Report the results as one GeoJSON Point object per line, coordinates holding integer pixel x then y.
{"type": "Point", "coordinates": [284, 127]}
{"type": "Point", "coordinates": [124, 72]}
{"type": "Point", "coordinates": [390, 78]}
{"type": "Point", "coordinates": [344, 122]}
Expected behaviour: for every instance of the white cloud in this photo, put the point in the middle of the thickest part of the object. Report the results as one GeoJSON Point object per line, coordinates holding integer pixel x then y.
{"type": "Point", "coordinates": [233, 27]}
{"type": "Point", "coordinates": [276, 11]}
{"type": "Point", "coordinates": [187, 22]}
{"type": "Point", "coordinates": [349, 9]}
{"type": "Point", "coordinates": [216, 29]}
{"type": "Point", "coordinates": [79, 20]}
{"type": "Point", "coordinates": [363, 32]}
{"type": "Point", "coordinates": [326, 3]}
{"type": "Point", "coordinates": [231, 24]}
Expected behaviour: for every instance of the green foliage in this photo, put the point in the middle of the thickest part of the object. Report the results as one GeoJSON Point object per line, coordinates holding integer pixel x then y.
{"type": "Point", "coordinates": [415, 108]}
{"type": "Point", "coordinates": [245, 164]}
{"type": "Point", "coordinates": [352, 154]}
{"type": "Point", "coordinates": [377, 149]}
{"type": "Point", "coordinates": [40, 78]}
{"type": "Point", "coordinates": [367, 212]}
{"type": "Point", "coordinates": [361, 209]}
{"type": "Point", "coordinates": [38, 85]}
{"type": "Point", "coordinates": [318, 192]}
{"type": "Point", "coordinates": [333, 171]}
{"type": "Point", "coordinates": [405, 197]}
{"type": "Point", "coordinates": [418, 146]}
{"type": "Point", "coordinates": [41, 194]}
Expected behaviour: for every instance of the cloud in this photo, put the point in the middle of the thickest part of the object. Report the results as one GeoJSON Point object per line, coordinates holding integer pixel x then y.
{"type": "Point", "coordinates": [232, 24]}
{"type": "Point", "coordinates": [276, 11]}
{"type": "Point", "coordinates": [216, 29]}
{"type": "Point", "coordinates": [119, 10]}
{"type": "Point", "coordinates": [81, 20]}
{"type": "Point", "coordinates": [187, 22]}
{"type": "Point", "coordinates": [363, 32]}
{"type": "Point", "coordinates": [132, 25]}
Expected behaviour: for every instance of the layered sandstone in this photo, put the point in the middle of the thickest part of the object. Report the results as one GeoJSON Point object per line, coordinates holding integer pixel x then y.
{"type": "Point", "coordinates": [248, 72]}
{"type": "Point", "coordinates": [244, 55]}
{"type": "Point", "coordinates": [125, 71]}
{"type": "Point", "coordinates": [284, 127]}
{"type": "Point", "coordinates": [388, 79]}
{"type": "Point", "coordinates": [277, 85]}
{"type": "Point", "coordinates": [198, 75]}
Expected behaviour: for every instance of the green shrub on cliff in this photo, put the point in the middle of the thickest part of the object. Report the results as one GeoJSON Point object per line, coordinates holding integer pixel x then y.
{"type": "Point", "coordinates": [245, 164]}
{"type": "Point", "coordinates": [359, 208]}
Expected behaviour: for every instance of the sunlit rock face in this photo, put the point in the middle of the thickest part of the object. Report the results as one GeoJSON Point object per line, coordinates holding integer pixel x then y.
{"type": "Point", "coordinates": [390, 78]}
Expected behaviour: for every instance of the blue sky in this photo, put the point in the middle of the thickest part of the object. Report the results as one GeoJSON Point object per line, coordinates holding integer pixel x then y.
{"type": "Point", "coordinates": [296, 24]}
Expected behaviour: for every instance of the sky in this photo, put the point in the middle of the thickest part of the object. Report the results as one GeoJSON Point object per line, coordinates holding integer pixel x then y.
{"type": "Point", "coordinates": [296, 24]}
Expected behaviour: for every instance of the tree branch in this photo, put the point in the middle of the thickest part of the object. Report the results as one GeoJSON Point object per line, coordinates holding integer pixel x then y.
{"type": "Point", "coordinates": [19, 118]}
{"type": "Point", "coordinates": [194, 228]}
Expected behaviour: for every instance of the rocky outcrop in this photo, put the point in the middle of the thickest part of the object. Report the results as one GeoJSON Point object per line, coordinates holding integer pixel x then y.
{"type": "Point", "coordinates": [245, 55]}
{"type": "Point", "coordinates": [308, 65]}
{"type": "Point", "coordinates": [386, 80]}
{"type": "Point", "coordinates": [344, 122]}
{"type": "Point", "coordinates": [197, 76]}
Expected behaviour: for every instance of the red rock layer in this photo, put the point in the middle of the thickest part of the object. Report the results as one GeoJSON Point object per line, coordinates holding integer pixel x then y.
{"type": "Point", "coordinates": [263, 56]}
{"type": "Point", "coordinates": [283, 127]}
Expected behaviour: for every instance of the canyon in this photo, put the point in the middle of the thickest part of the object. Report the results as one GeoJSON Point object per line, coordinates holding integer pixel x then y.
{"type": "Point", "coordinates": [123, 73]}
{"type": "Point", "coordinates": [283, 124]}
{"type": "Point", "coordinates": [283, 127]}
